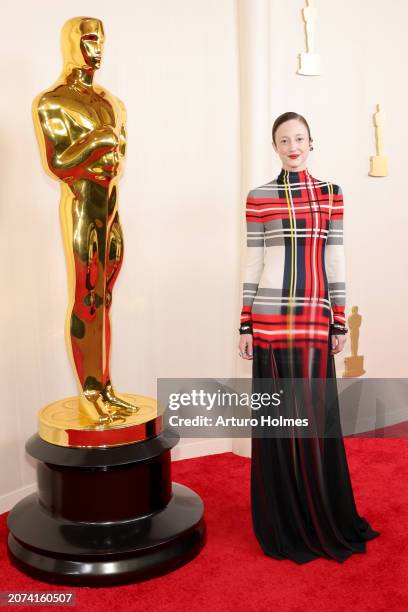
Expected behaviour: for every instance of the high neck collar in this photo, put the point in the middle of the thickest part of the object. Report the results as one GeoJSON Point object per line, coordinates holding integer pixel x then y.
{"type": "Point", "coordinates": [293, 176]}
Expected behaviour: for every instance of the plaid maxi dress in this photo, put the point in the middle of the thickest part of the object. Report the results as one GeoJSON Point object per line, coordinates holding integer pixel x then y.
{"type": "Point", "coordinates": [294, 294]}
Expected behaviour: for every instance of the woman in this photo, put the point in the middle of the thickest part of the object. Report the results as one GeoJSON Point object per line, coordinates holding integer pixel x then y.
{"type": "Point", "coordinates": [292, 323]}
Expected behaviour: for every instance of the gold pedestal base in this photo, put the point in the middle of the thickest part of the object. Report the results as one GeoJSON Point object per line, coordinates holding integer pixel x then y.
{"type": "Point", "coordinates": [63, 424]}
{"type": "Point", "coordinates": [354, 366]}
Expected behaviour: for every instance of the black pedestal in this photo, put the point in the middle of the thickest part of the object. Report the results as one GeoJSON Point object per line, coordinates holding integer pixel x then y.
{"type": "Point", "coordinates": [105, 516]}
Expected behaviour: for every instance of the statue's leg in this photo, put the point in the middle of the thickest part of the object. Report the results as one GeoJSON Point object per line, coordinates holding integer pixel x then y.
{"type": "Point", "coordinates": [114, 258]}
{"type": "Point", "coordinates": [87, 317]}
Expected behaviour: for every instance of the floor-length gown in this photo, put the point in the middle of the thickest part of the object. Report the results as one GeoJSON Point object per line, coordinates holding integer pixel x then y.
{"type": "Point", "coordinates": [302, 499]}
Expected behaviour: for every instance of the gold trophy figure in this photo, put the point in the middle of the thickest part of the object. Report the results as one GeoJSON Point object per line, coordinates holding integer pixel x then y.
{"type": "Point", "coordinates": [81, 130]}
{"type": "Point", "coordinates": [309, 61]}
{"type": "Point", "coordinates": [379, 161]}
{"type": "Point", "coordinates": [354, 363]}
{"type": "Point", "coordinates": [106, 511]}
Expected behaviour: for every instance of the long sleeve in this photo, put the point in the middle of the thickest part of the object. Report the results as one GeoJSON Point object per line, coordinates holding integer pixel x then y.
{"type": "Point", "coordinates": [335, 260]}
{"type": "Point", "coordinates": [255, 232]}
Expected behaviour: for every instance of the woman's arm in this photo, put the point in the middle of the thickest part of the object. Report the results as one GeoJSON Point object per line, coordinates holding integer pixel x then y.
{"type": "Point", "coordinates": [335, 263]}
{"type": "Point", "coordinates": [255, 232]}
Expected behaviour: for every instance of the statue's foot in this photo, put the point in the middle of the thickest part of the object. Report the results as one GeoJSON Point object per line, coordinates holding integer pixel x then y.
{"type": "Point", "coordinates": [93, 405]}
{"type": "Point", "coordinates": [115, 400]}
{"type": "Point", "coordinates": [110, 419]}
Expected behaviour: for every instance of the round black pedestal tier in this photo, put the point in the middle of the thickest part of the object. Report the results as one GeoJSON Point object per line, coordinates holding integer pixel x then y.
{"type": "Point", "coordinates": [105, 516]}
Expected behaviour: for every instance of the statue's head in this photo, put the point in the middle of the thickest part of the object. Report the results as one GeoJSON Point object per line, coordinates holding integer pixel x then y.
{"type": "Point", "coordinates": [82, 41]}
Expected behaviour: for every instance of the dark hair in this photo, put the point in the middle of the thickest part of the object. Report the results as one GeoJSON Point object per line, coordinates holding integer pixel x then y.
{"type": "Point", "coordinates": [286, 117]}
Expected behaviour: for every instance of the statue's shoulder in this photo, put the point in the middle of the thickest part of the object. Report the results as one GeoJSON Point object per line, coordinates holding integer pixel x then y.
{"type": "Point", "coordinates": [109, 97]}
{"type": "Point", "coordinates": [55, 96]}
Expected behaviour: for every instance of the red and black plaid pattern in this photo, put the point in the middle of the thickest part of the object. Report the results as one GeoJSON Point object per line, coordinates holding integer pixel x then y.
{"type": "Point", "coordinates": [294, 283]}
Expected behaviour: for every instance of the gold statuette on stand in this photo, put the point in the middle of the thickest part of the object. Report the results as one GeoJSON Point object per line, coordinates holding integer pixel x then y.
{"type": "Point", "coordinates": [106, 511]}
{"type": "Point", "coordinates": [309, 61]}
{"type": "Point", "coordinates": [81, 130]}
{"type": "Point", "coordinates": [378, 162]}
{"type": "Point", "coordinates": [354, 364]}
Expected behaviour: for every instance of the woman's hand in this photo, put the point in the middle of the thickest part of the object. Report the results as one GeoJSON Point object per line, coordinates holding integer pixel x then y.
{"type": "Point", "coordinates": [337, 342]}
{"type": "Point", "coordinates": [245, 346]}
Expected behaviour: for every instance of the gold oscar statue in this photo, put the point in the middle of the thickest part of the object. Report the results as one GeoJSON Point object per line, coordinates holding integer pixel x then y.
{"type": "Point", "coordinates": [309, 61]}
{"type": "Point", "coordinates": [378, 162]}
{"type": "Point", "coordinates": [354, 364]}
{"type": "Point", "coordinates": [81, 130]}
{"type": "Point", "coordinates": [105, 511]}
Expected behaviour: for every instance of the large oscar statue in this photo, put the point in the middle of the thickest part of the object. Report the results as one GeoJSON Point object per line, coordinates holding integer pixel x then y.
{"type": "Point", "coordinates": [106, 511]}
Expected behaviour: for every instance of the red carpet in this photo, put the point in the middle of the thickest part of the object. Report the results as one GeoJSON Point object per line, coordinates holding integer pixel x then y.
{"type": "Point", "coordinates": [399, 430]}
{"type": "Point", "coordinates": [232, 573]}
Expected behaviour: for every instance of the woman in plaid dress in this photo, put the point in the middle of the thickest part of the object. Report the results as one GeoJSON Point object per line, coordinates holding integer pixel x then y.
{"type": "Point", "coordinates": [292, 323]}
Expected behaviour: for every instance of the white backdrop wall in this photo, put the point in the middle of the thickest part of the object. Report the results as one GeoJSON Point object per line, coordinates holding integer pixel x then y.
{"type": "Point", "coordinates": [175, 302]}
{"type": "Point", "coordinates": [199, 122]}
{"type": "Point", "coordinates": [363, 53]}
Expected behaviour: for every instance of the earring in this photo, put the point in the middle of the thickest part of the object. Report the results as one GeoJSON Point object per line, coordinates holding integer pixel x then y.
{"type": "Point", "coordinates": [311, 148]}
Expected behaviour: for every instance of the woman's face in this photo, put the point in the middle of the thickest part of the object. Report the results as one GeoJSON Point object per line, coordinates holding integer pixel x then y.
{"type": "Point", "coordinates": [292, 144]}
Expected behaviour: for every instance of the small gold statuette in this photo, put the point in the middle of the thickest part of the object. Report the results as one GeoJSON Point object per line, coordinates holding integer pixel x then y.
{"type": "Point", "coordinates": [378, 162]}
{"type": "Point", "coordinates": [354, 364]}
{"type": "Point", "coordinates": [309, 61]}
{"type": "Point", "coordinates": [81, 130]}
